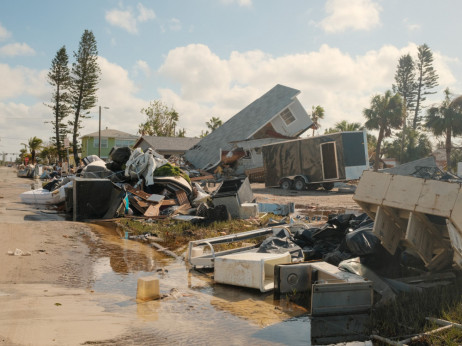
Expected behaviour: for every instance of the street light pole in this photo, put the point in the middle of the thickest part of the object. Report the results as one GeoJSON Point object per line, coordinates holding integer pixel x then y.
{"type": "Point", "coordinates": [99, 134]}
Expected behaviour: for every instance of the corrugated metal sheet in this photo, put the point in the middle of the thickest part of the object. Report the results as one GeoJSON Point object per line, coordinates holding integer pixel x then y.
{"type": "Point", "coordinates": [241, 126]}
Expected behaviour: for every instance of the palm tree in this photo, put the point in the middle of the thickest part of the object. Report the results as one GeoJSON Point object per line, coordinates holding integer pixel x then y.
{"type": "Point", "coordinates": [446, 120]}
{"type": "Point", "coordinates": [343, 126]}
{"type": "Point", "coordinates": [213, 123]}
{"type": "Point", "coordinates": [34, 144]}
{"type": "Point", "coordinates": [316, 114]}
{"type": "Point", "coordinates": [384, 114]}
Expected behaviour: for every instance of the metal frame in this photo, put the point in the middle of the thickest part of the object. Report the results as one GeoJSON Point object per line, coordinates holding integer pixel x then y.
{"type": "Point", "coordinates": [335, 159]}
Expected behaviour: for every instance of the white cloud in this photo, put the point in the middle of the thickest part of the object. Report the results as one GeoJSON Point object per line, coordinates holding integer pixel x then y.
{"type": "Point", "coordinates": [15, 49]}
{"type": "Point", "coordinates": [20, 81]}
{"type": "Point", "coordinates": [4, 34]}
{"type": "Point", "coordinates": [142, 66]}
{"type": "Point", "coordinates": [127, 19]}
{"type": "Point", "coordinates": [145, 14]}
{"type": "Point", "coordinates": [175, 24]}
{"type": "Point", "coordinates": [352, 14]}
{"type": "Point", "coordinates": [122, 19]}
{"type": "Point", "coordinates": [341, 83]}
{"type": "Point", "coordinates": [245, 3]}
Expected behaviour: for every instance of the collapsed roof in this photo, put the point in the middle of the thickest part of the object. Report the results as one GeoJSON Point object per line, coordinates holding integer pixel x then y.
{"type": "Point", "coordinates": [276, 114]}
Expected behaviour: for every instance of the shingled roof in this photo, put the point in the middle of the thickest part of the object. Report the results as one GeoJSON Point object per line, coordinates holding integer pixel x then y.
{"type": "Point", "coordinates": [241, 126]}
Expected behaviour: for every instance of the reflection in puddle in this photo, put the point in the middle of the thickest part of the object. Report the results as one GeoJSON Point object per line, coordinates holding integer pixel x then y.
{"type": "Point", "coordinates": [193, 309]}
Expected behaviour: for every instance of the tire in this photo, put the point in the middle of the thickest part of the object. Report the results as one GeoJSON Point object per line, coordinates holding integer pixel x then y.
{"type": "Point", "coordinates": [327, 186]}
{"type": "Point", "coordinates": [313, 187]}
{"type": "Point", "coordinates": [286, 184]}
{"type": "Point", "coordinates": [299, 184]}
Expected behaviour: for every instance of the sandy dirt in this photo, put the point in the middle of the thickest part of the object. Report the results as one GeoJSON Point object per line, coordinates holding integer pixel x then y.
{"type": "Point", "coordinates": [44, 297]}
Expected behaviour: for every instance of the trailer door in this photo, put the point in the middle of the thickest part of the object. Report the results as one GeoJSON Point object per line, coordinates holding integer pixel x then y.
{"type": "Point", "coordinates": [329, 161]}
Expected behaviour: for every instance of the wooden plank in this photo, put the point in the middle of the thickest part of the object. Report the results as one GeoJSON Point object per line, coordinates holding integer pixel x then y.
{"type": "Point", "coordinates": [168, 202]}
{"type": "Point", "coordinates": [135, 203]}
{"type": "Point", "coordinates": [419, 238]}
{"type": "Point", "coordinates": [387, 229]}
{"type": "Point", "coordinates": [203, 177]}
{"type": "Point", "coordinates": [137, 192]}
{"type": "Point", "coordinates": [153, 210]}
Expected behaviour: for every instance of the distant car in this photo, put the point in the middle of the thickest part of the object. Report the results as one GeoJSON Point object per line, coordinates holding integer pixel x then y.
{"type": "Point", "coordinates": [10, 165]}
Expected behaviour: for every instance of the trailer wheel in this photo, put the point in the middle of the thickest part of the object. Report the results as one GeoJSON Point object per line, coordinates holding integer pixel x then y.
{"type": "Point", "coordinates": [327, 186]}
{"type": "Point", "coordinates": [286, 184]}
{"type": "Point", "coordinates": [299, 184]}
{"type": "Point", "coordinates": [313, 187]}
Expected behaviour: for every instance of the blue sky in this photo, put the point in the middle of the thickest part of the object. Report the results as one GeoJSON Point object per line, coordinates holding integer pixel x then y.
{"type": "Point", "coordinates": [213, 57]}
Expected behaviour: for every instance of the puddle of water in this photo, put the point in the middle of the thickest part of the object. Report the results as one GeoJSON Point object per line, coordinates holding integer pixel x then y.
{"type": "Point", "coordinates": [193, 309]}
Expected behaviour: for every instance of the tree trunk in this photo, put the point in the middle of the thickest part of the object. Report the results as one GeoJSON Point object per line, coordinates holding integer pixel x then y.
{"type": "Point", "coordinates": [58, 142]}
{"type": "Point", "coordinates": [377, 150]}
{"type": "Point", "coordinates": [74, 140]}
{"type": "Point", "coordinates": [448, 149]}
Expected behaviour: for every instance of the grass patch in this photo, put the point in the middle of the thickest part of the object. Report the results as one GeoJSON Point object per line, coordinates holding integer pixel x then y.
{"type": "Point", "coordinates": [176, 235]}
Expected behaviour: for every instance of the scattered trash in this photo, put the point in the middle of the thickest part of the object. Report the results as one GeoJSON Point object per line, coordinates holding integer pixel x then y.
{"type": "Point", "coordinates": [18, 252]}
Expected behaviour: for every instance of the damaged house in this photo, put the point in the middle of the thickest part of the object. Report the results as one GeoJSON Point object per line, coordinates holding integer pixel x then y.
{"type": "Point", "coordinates": [276, 116]}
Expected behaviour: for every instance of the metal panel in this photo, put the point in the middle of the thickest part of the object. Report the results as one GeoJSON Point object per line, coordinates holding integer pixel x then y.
{"type": "Point", "coordinates": [341, 298]}
{"type": "Point", "coordinates": [292, 278]}
{"type": "Point", "coordinates": [437, 197]}
{"type": "Point", "coordinates": [328, 330]}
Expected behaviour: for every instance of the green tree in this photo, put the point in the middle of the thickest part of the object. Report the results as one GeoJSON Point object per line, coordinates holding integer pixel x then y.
{"type": "Point", "coordinates": [427, 79]}
{"type": "Point", "coordinates": [203, 134]}
{"type": "Point", "coordinates": [181, 133]}
{"type": "Point", "coordinates": [405, 83]}
{"type": "Point", "coordinates": [161, 120]}
{"type": "Point", "coordinates": [343, 126]}
{"type": "Point", "coordinates": [316, 114]}
{"type": "Point", "coordinates": [85, 77]}
{"type": "Point", "coordinates": [446, 120]}
{"type": "Point", "coordinates": [214, 123]}
{"type": "Point", "coordinates": [59, 77]}
{"type": "Point", "coordinates": [416, 146]}
{"type": "Point", "coordinates": [34, 145]}
{"type": "Point", "coordinates": [49, 153]}
{"type": "Point", "coordinates": [383, 115]}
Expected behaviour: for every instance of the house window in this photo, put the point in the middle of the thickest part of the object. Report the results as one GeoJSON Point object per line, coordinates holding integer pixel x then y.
{"type": "Point", "coordinates": [287, 116]}
{"type": "Point", "coordinates": [124, 143]}
{"type": "Point", "coordinates": [103, 143]}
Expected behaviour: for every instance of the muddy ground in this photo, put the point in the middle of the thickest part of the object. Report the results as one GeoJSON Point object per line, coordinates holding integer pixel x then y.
{"type": "Point", "coordinates": [77, 284]}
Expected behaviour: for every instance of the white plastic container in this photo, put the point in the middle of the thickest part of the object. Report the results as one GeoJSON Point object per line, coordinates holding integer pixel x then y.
{"type": "Point", "coordinates": [249, 269]}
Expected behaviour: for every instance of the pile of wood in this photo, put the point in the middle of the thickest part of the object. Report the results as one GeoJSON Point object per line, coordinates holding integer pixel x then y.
{"type": "Point", "coordinates": [151, 205]}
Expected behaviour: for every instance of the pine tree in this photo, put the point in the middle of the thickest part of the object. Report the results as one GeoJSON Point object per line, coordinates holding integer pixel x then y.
{"type": "Point", "coordinates": [405, 83]}
{"type": "Point", "coordinates": [427, 79]}
{"type": "Point", "coordinates": [85, 78]}
{"type": "Point", "coordinates": [59, 78]}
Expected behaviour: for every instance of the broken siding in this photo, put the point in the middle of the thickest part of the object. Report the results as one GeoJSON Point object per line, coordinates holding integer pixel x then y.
{"type": "Point", "coordinates": [242, 126]}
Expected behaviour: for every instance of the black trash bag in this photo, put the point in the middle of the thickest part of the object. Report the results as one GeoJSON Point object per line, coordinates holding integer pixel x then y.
{"type": "Point", "coordinates": [52, 185]}
{"type": "Point", "coordinates": [360, 221]}
{"type": "Point", "coordinates": [281, 245]}
{"type": "Point", "coordinates": [341, 221]}
{"type": "Point", "coordinates": [121, 155]}
{"type": "Point", "coordinates": [362, 241]}
{"type": "Point", "coordinates": [306, 235]}
{"type": "Point", "coordinates": [336, 256]}
{"type": "Point", "coordinates": [114, 166]}
{"type": "Point", "coordinates": [318, 250]}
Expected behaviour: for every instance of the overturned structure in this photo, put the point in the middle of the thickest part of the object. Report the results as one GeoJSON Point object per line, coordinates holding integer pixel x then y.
{"type": "Point", "coordinates": [423, 215]}
{"type": "Point", "coordinates": [277, 115]}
